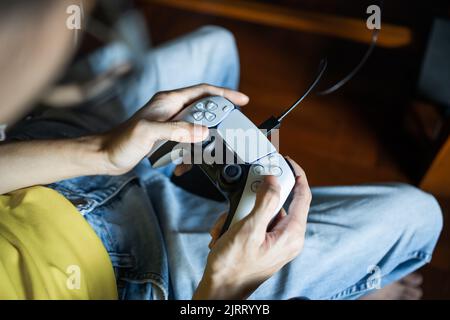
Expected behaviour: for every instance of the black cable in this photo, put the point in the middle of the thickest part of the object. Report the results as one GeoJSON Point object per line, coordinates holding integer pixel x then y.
{"type": "Point", "coordinates": [275, 122]}
{"type": "Point", "coordinates": [352, 74]}
{"type": "Point", "coordinates": [356, 70]}
{"type": "Point", "coordinates": [322, 67]}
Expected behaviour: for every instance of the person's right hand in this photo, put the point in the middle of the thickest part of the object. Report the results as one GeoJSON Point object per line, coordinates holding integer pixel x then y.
{"type": "Point", "coordinates": [126, 145]}
{"type": "Point", "coordinates": [255, 248]}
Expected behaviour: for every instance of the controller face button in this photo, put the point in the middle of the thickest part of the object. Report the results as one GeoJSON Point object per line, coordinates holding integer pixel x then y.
{"type": "Point", "coordinates": [258, 170]}
{"type": "Point", "coordinates": [231, 173]}
{"type": "Point", "coordinates": [273, 159]}
{"type": "Point", "coordinates": [197, 115]}
{"type": "Point", "coordinates": [255, 186]}
{"type": "Point", "coordinates": [210, 116]}
{"type": "Point", "coordinates": [200, 106]}
{"type": "Point", "coordinates": [226, 108]}
{"type": "Point", "coordinates": [211, 106]}
{"type": "Point", "coordinates": [276, 171]}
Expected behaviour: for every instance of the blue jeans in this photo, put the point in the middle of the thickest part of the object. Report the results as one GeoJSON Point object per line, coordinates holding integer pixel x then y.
{"type": "Point", "coordinates": [156, 233]}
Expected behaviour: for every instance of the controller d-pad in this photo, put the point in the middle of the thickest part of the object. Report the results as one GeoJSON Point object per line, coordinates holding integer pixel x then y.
{"type": "Point", "coordinates": [204, 110]}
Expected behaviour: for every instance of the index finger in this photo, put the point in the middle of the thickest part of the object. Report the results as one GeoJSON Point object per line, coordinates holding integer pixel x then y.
{"type": "Point", "coordinates": [216, 229]}
{"type": "Point", "coordinates": [301, 200]}
{"type": "Point", "coordinates": [190, 94]}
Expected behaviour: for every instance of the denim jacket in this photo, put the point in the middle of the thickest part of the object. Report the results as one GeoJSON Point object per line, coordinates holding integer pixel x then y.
{"type": "Point", "coordinates": [121, 215]}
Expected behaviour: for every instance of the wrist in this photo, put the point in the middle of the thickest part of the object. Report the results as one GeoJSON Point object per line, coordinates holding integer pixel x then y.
{"type": "Point", "coordinates": [93, 156]}
{"type": "Point", "coordinates": [217, 287]}
{"type": "Point", "coordinates": [210, 289]}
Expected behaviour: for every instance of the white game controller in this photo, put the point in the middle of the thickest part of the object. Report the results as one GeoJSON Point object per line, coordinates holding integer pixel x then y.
{"type": "Point", "coordinates": [238, 180]}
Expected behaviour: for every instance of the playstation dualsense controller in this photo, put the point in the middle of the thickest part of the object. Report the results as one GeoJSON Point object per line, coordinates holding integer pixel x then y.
{"type": "Point", "coordinates": [236, 157]}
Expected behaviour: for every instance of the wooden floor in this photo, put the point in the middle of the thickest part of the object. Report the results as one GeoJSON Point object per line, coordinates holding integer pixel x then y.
{"type": "Point", "coordinates": [353, 136]}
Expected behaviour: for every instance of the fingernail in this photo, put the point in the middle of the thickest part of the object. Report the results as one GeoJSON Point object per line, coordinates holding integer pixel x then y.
{"type": "Point", "coordinates": [244, 96]}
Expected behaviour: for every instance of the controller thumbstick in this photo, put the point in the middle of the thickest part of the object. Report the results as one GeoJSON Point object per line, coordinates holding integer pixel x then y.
{"type": "Point", "coordinates": [231, 173]}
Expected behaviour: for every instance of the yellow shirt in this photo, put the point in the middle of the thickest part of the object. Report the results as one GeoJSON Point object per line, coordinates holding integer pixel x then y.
{"type": "Point", "coordinates": [49, 251]}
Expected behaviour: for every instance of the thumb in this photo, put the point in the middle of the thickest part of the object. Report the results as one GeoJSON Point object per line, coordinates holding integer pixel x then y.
{"type": "Point", "coordinates": [267, 200]}
{"type": "Point", "coordinates": [179, 131]}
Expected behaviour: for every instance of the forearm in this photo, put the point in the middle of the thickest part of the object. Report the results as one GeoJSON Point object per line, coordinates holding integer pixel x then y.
{"type": "Point", "coordinates": [24, 164]}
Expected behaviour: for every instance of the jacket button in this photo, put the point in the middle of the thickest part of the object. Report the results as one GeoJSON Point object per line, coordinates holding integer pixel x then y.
{"type": "Point", "coordinates": [79, 202]}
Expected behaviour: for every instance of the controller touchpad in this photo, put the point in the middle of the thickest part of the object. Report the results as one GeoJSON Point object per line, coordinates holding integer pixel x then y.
{"type": "Point", "coordinates": [244, 138]}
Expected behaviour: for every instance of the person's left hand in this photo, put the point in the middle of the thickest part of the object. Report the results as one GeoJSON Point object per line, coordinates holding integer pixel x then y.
{"type": "Point", "coordinates": [125, 146]}
{"type": "Point", "coordinates": [256, 247]}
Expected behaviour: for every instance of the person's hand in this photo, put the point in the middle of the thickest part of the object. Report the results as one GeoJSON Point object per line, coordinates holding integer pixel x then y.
{"type": "Point", "coordinates": [255, 248]}
{"type": "Point", "coordinates": [125, 146]}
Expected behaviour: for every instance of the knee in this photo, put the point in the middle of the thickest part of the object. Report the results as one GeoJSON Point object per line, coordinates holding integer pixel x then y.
{"type": "Point", "coordinates": [219, 45]}
{"type": "Point", "coordinates": [418, 211]}
{"type": "Point", "coordinates": [220, 35]}
{"type": "Point", "coordinates": [220, 40]}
